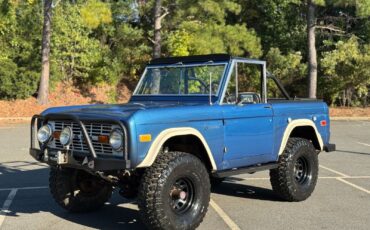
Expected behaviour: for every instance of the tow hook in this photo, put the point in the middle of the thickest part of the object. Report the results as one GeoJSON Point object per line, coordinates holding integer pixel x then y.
{"type": "Point", "coordinates": [89, 163]}
{"type": "Point", "coordinates": [111, 179]}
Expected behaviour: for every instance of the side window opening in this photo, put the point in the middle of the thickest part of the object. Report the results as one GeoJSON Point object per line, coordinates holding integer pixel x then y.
{"type": "Point", "coordinates": [245, 84]}
{"type": "Point", "coordinates": [275, 90]}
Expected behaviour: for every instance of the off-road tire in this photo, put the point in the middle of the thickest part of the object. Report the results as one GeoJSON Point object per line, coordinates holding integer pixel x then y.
{"type": "Point", "coordinates": [288, 180]}
{"type": "Point", "coordinates": [154, 198]}
{"type": "Point", "coordinates": [63, 184]}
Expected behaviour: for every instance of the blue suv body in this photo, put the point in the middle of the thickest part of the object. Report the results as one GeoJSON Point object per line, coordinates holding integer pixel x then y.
{"type": "Point", "coordinates": [228, 112]}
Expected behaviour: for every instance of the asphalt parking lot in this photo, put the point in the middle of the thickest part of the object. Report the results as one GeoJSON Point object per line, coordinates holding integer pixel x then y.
{"type": "Point", "coordinates": [341, 199]}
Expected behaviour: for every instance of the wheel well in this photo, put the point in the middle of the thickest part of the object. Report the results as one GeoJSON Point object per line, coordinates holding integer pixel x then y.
{"type": "Point", "coordinates": [189, 144]}
{"type": "Point", "coordinates": [306, 132]}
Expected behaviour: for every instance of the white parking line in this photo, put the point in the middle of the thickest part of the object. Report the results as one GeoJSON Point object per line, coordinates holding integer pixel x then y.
{"type": "Point", "coordinates": [5, 209]}
{"type": "Point", "coordinates": [344, 176]}
{"type": "Point", "coordinates": [334, 171]}
{"type": "Point", "coordinates": [320, 177]}
{"type": "Point", "coordinates": [24, 188]}
{"type": "Point", "coordinates": [359, 177]}
{"type": "Point", "coordinates": [353, 185]}
{"type": "Point", "coordinates": [232, 225]}
{"type": "Point", "coordinates": [363, 144]}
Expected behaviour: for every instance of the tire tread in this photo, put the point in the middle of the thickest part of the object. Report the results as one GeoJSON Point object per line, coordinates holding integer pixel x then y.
{"type": "Point", "coordinates": [279, 177]}
{"type": "Point", "coordinates": [148, 202]}
{"type": "Point", "coordinates": [60, 188]}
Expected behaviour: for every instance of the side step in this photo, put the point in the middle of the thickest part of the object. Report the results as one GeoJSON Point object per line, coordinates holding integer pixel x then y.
{"type": "Point", "coordinates": [249, 169]}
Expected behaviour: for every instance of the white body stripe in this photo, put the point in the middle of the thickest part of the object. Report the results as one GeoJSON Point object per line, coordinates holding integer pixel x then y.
{"type": "Point", "coordinates": [173, 132]}
{"type": "Point", "coordinates": [297, 123]}
{"type": "Point", "coordinates": [167, 134]}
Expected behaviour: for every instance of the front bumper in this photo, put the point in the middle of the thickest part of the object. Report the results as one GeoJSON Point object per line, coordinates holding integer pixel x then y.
{"type": "Point", "coordinates": [67, 158]}
{"type": "Point", "coordinates": [71, 161]}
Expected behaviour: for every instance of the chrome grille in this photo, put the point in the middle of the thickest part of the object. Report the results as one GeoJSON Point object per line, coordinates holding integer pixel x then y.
{"type": "Point", "coordinates": [78, 143]}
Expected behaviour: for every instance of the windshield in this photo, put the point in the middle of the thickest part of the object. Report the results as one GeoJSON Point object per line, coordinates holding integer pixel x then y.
{"type": "Point", "coordinates": [181, 80]}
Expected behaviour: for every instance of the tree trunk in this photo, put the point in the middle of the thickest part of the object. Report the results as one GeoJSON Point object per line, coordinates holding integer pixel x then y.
{"type": "Point", "coordinates": [349, 96]}
{"type": "Point", "coordinates": [312, 56]}
{"type": "Point", "coordinates": [157, 46]}
{"type": "Point", "coordinates": [344, 98]}
{"type": "Point", "coordinates": [157, 29]}
{"type": "Point", "coordinates": [42, 96]}
{"type": "Point", "coordinates": [365, 100]}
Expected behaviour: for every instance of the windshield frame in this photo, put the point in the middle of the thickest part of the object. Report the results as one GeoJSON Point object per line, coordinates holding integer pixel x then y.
{"type": "Point", "coordinates": [180, 65]}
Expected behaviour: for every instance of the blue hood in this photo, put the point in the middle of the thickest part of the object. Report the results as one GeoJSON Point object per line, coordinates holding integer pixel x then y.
{"type": "Point", "coordinates": [118, 111]}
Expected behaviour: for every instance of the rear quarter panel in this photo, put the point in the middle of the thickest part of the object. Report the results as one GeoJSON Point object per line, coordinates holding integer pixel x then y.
{"type": "Point", "coordinates": [313, 110]}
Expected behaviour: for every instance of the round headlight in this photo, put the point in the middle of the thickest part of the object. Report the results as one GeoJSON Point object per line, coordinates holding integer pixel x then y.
{"type": "Point", "coordinates": [116, 139]}
{"type": "Point", "coordinates": [44, 133]}
{"type": "Point", "coordinates": [66, 136]}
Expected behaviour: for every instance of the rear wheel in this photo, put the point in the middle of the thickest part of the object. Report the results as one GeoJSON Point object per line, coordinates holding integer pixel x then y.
{"type": "Point", "coordinates": [78, 191]}
{"type": "Point", "coordinates": [174, 192]}
{"type": "Point", "coordinates": [296, 177]}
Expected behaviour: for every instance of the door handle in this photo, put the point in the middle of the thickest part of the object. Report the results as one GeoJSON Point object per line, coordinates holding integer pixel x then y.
{"type": "Point", "coordinates": [267, 107]}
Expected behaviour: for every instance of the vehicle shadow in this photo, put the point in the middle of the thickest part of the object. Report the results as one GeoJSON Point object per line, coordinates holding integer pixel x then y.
{"type": "Point", "coordinates": [229, 188]}
{"type": "Point", "coordinates": [114, 215]}
{"type": "Point", "coordinates": [15, 174]}
{"type": "Point", "coordinates": [118, 213]}
{"type": "Point", "coordinates": [352, 152]}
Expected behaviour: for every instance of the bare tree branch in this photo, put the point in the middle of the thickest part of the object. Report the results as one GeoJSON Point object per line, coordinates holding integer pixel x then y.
{"type": "Point", "coordinates": [166, 12]}
{"type": "Point", "coordinates": [331, 28]}
{"type": "Point", "coordinates": [53, 5]}
{"type": "Point", "coordinates": [151, 40]}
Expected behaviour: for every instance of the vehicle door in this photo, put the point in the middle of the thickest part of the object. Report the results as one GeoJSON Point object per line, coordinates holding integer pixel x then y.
{"type": "Point", "coordinates": [247, 117]}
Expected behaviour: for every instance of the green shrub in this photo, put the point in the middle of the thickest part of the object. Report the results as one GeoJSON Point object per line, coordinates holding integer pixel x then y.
{"type": "Point", "coordinates": [16, 83]}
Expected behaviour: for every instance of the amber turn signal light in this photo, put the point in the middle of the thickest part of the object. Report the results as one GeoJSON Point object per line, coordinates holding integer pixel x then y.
{"type": "Point", "coordinates": [103, 139]}
{"type": "Point", "coordinates": [56, 134]}
{"type": "Point", "coordinates": [145, 138]}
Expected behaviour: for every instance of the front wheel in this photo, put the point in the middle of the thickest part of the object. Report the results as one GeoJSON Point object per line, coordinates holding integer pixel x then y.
{"type": "Point", "coordinates": [78, 191]}
{"type": "Point", "coordinates": [296, 177]}
{"type": "Point", "coordinates": [174, 192]}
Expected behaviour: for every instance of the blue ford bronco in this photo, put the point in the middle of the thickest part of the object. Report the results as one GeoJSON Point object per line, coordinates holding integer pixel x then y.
{"type": "Point", "coordinates": [191, 122]}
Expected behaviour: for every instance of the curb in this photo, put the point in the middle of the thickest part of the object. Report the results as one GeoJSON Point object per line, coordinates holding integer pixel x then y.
{"type": "Point", "coordinates": [15, 119]}
{"type": "Point", "coordinates": [350, 118]}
